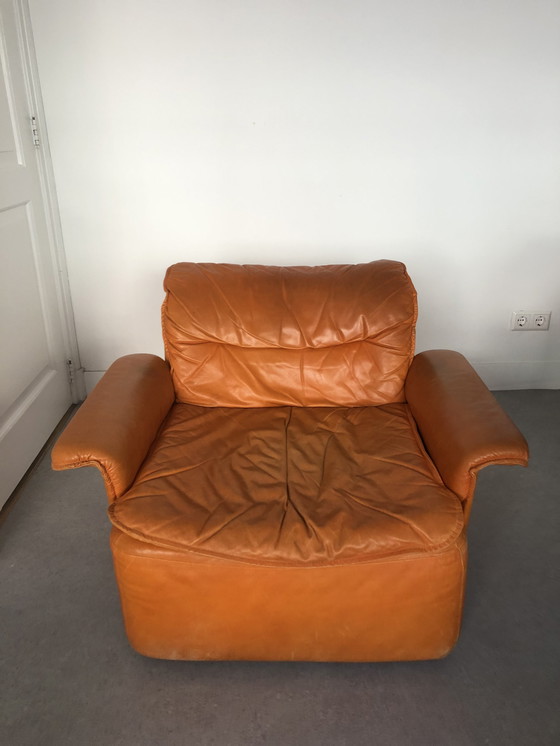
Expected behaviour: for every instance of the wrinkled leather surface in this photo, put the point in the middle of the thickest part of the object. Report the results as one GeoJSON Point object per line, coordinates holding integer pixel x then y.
{"type": "Point", "coordinates": [184, 605]}
{"type": "Point", "coordinates": [257, 336]}
{"type": "Point", "coordinates": [290, 486]}
{"type": "Point", "coordinates": [117, 423]}
{"type": "Point", "coordinates": [461, 423]}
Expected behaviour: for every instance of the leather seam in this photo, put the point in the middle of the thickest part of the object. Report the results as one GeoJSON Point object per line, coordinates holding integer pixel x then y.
{"type": "Point", "coordinates": [461, 601]}
{"type": "Point", "coordinates": [440, 548]}
{"type": "Point", "coordinates": [475, 467]}
{"type": "Point", "coordinates": [472, 475]}
{"type": "Point", "coordinates": [236, 563]}
{"type": "Point", "coordinates": [412, 344]}
{"type": "Point", "coordinates": [163, 319]}
{"type": "Point", "coordinates": [370, 340]}
{"type": "Point", "coordinates": [422, 447]}
{"type": "Point", "coordinates": [111, 492]}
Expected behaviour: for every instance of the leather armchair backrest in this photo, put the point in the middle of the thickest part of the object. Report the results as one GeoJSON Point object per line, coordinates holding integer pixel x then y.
{"type": "Point", "coordinates": [260, 336]}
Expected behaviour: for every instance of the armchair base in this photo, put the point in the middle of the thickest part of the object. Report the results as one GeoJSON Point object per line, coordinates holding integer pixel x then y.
{"type": "Point", "coordinates": [184, 606]}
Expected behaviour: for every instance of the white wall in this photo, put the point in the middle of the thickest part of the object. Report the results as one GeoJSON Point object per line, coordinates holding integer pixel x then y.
{"type": "Point", "coordinates": [311, 131]}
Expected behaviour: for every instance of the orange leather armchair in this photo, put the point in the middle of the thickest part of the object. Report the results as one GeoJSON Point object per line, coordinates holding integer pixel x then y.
{"type": "Point", "coordinates": [290, 483]}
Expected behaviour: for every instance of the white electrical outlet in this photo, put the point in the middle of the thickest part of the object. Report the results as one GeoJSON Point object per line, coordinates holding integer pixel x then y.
{"type": "Point", "coordinates": [530, 321]}
{"type": "Point", "coordinates": [520, 321]}
{"type": "Point", "coordinates": [541, 321]}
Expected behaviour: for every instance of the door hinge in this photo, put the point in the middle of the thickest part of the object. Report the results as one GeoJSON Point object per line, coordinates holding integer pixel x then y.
{"type": "Point", "coordinates": [71, 371]}
{"type": "Point", "coordinates": [35, 131]}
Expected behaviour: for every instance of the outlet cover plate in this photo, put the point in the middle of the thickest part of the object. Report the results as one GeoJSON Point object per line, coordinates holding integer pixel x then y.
{"type": "Point", "coordinates": [530, 321]}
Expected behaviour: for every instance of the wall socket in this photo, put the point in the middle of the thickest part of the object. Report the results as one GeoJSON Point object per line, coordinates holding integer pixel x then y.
{"type": "Point", "coordinates": [530, 321]}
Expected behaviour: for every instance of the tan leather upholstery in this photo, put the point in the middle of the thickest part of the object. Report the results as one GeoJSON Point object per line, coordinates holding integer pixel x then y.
{"type": "Point", "coordinates": [291, 505]}
{"type": "Point", "coordinates": [280, 486]}
{"type": "Point", "coordinates": [118, 421]}
{"type": "Point", "coordinates": [189, 606]}
{"type": "Point", "coordinates": [250, 336]}
{"type": "Point", "coordinates": [462, 424]}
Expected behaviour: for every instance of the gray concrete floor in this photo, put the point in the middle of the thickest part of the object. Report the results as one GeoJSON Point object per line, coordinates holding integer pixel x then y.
{"type": "Point", "coordinates": [69, 677]}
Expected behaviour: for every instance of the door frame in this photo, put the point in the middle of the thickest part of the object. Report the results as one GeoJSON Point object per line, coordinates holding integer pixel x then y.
{"type": "Point", "coordinates": [57, 253]}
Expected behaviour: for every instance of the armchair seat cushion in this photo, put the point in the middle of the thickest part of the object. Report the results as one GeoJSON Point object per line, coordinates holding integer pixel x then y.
{"type": "Point", "coordinates": [290, 486]}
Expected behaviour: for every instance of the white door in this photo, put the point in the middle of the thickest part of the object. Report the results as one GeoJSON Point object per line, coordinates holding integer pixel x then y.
{"type": "Point", "coordinates": [34, 384]}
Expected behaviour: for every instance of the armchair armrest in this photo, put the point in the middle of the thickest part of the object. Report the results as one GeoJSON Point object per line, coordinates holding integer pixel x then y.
{"type": "Point", "coordinates": [117, 423]}
{"type": "Point", "coordinates": [461, 423]}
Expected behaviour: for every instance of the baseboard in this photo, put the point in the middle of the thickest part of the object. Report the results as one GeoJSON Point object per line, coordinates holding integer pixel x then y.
{"type": "Point", "coordinates": [511, 375]}
{"type": "Point", "coordinates": [92, 377]}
